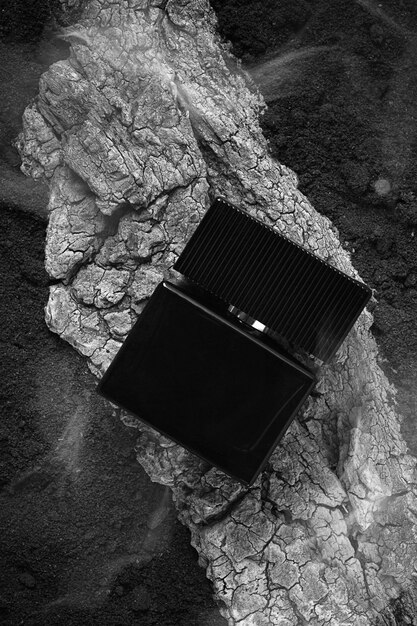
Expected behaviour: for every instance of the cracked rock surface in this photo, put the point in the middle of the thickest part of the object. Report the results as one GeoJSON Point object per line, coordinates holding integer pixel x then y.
{"type": "Point", "coordinates": [147, 120]}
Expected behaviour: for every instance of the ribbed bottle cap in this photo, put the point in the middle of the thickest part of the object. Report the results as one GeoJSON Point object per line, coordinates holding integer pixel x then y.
{"type": "Point", "coordinates": [270, 278]}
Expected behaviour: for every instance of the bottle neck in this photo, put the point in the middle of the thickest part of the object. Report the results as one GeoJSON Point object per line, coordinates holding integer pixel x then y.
{"type": "Point", "coordinates": [247, 319]}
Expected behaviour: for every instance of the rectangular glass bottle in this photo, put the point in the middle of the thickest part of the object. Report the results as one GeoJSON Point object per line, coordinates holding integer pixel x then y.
{"type": "Point", "coordinates": [210, 382]}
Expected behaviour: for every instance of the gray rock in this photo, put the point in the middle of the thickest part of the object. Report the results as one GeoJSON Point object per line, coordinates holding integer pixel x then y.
{"type": "Point", "coordinates": [149, 118]}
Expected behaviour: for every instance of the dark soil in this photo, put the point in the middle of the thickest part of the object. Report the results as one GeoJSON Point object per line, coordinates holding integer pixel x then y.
{"type": "Point", "coordinates": [343, 115]}
{"type": "Point", "coordinates": [86, 538]}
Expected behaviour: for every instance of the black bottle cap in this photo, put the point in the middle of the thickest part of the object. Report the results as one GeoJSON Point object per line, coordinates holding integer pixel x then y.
{"type": "Point", "coordinates": [270, 278]}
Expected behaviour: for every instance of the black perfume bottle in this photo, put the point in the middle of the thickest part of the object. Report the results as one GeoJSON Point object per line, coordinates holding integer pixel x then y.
{"type": "Point", "coordinates": [204, 363]}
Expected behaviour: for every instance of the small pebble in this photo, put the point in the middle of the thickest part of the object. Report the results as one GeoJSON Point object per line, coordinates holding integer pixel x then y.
{"type": "Point", "coordinates": [27, 580]}
{"type": "Point", "coordinates": [411, 280]}
{"type": "Point", "coordinates": [382, 187]}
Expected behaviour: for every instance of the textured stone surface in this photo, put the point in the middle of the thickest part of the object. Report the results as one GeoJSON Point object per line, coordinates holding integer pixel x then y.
{"type": "Point", "coordinates": [148, 119]}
